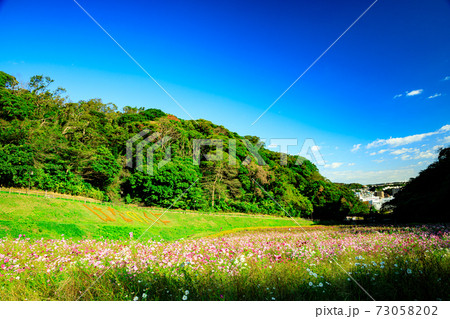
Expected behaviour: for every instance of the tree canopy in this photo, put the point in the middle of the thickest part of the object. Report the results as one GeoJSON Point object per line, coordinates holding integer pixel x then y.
{"type": "Point", "coordinates": [79, 148]}
{"type": "Point", "coordinates": [424, 198]}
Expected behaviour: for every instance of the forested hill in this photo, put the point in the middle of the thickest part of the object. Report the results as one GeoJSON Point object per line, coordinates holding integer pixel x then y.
{"type": "Point", "coordinates": [425, 197]}
{"type": "Point", "coordinates": [50, 143]}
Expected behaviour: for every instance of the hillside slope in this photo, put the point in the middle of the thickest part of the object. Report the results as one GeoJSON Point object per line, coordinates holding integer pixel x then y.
{"type": "Point", "coordinates": [38, 217]}
{"type": "Point", "coordinates": [50, 143]}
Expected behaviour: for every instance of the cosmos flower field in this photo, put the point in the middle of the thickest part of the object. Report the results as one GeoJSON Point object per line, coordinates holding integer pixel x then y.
{"type": "Point", "coordinates": [311, 263]}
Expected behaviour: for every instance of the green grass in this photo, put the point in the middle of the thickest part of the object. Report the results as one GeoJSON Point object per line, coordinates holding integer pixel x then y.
{"type": "Point", "coordinates": [416, 265]}
{"type": "Point", "coordinates": [38, 217]}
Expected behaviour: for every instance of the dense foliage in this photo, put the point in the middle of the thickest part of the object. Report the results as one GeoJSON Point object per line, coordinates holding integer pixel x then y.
{"type": "Point", "coordinates": [52, 143]}
{"type": "Point", "coordinates": [425, 198]}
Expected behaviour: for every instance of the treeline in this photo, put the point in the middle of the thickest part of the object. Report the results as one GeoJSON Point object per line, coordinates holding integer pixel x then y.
{"type": "Point", "coordinates": [425, 198]}
{"type": "Point", "coordinates": [79, 148]}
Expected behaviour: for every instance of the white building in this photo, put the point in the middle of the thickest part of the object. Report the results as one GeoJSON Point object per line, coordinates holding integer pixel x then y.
{"type": "Point", "coordinates": [373, 200]}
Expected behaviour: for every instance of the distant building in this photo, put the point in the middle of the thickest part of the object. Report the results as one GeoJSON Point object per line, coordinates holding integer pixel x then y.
{"type": "Point", "coordinates": [379, 194]}
{"type": "Point", "coordinates": [376, 202]}
{"type": "Point", "coordinates": [375, 199]}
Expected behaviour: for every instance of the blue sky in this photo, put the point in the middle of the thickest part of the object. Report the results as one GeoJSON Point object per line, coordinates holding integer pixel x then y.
{"type": "Point", "coordinates": [385, 85]}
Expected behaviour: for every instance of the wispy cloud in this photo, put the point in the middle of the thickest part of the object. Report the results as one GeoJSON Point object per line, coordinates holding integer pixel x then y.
{"type": "Point", "coordinates": [333, 165]}
{"type": "Point", "coordinates": [406, 157]}
{"type": "Point", "coordinates": [446, 139]}
{"type": "Point", "coordinates": [400, 141]}
{"type": "Point", "coordinates": [427, 154]}
{"type": "Point", "coordinates": [410, 93]}
{"type": "Point", "coordinates": [414, 92]}
{"type": "Point", "coordinates": [351, 164]}
{"type": "Point", "coordinates": [405, 150]}
{"type": "Point", "coordinates": [379, 152]}
{"type": "Point", "coordinates": [381, 160]}
{"type": "Point", "coordinates": [371, 177]}
{"type": "Point", "coordinates": [356, 147]}
{"type": "Point", "coordinates": [431, 153]}
{"type": "Point", "coordinates": [435, 95]}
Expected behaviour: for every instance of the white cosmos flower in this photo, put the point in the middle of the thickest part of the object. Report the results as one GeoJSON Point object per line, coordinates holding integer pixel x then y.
{"type": "Point", "coordinates": [136, 298]}
{"type": "Point", "coordinates": [186, 292]}
{"type": "Point", "coordinates": [184, 297]}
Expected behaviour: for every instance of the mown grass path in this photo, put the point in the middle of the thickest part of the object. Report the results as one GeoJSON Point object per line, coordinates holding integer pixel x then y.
{"type": "Point", "coordinates": [38, 217]}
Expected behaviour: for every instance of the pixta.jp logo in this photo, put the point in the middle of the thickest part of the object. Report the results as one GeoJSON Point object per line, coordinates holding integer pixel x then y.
{"type": "Point", "coordinates": [151, 142]}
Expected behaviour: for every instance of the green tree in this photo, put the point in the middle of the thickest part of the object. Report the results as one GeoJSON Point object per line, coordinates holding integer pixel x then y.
{"type": "Point", "coordinates": [425, 197]}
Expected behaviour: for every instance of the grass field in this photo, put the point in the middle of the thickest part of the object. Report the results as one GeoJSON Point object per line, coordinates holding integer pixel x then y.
{"type": "Point", "coordinates": [38, 217]}
{"type": "Point", "coordinates": [63, 250]}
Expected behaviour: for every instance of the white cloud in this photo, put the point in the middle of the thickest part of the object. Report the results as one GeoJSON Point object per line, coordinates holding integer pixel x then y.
{"type": "Point", "coordinates": [406, 157]}
{"type": "Point", "coordinates": [410, 93]}
{"type": "Point", "coordinates": [334, 165]}
{"type": "Point", "coordinates": [351, 164]}
{"type": "Point", "coordinates": [426, 154]}
{"type": "Point", "coordinates": [431, 153]}
{"type": "Point", "coordinates": [379, 160]}
{"type": "Point", "coordinates": [379, 152]}
{"type": "Point", "coordinates": [447, 78]}
{"type": "Point", "coordinates": [371, 177]}
{"type": "Point", "coordinates": [435, 95]}
{"type": "Point", "coordinates": [446, 139]}
{"type": "Point", "coordinates": [414, 92]}
{"type": "Point", "coordinates": [399, 141]}
{"type": "Point", "coordinates": [445, 128]}
{"type": "Point", "coordinates": [404, 150]}
{"type": "Point", "coordinates": [436, 147]}
{"type": "Point", "coordinates": [355, 147]}
{"type": "Point", "coordinates": [421, 164]}
{"type": "Point", "coordinates": [315, 148]}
